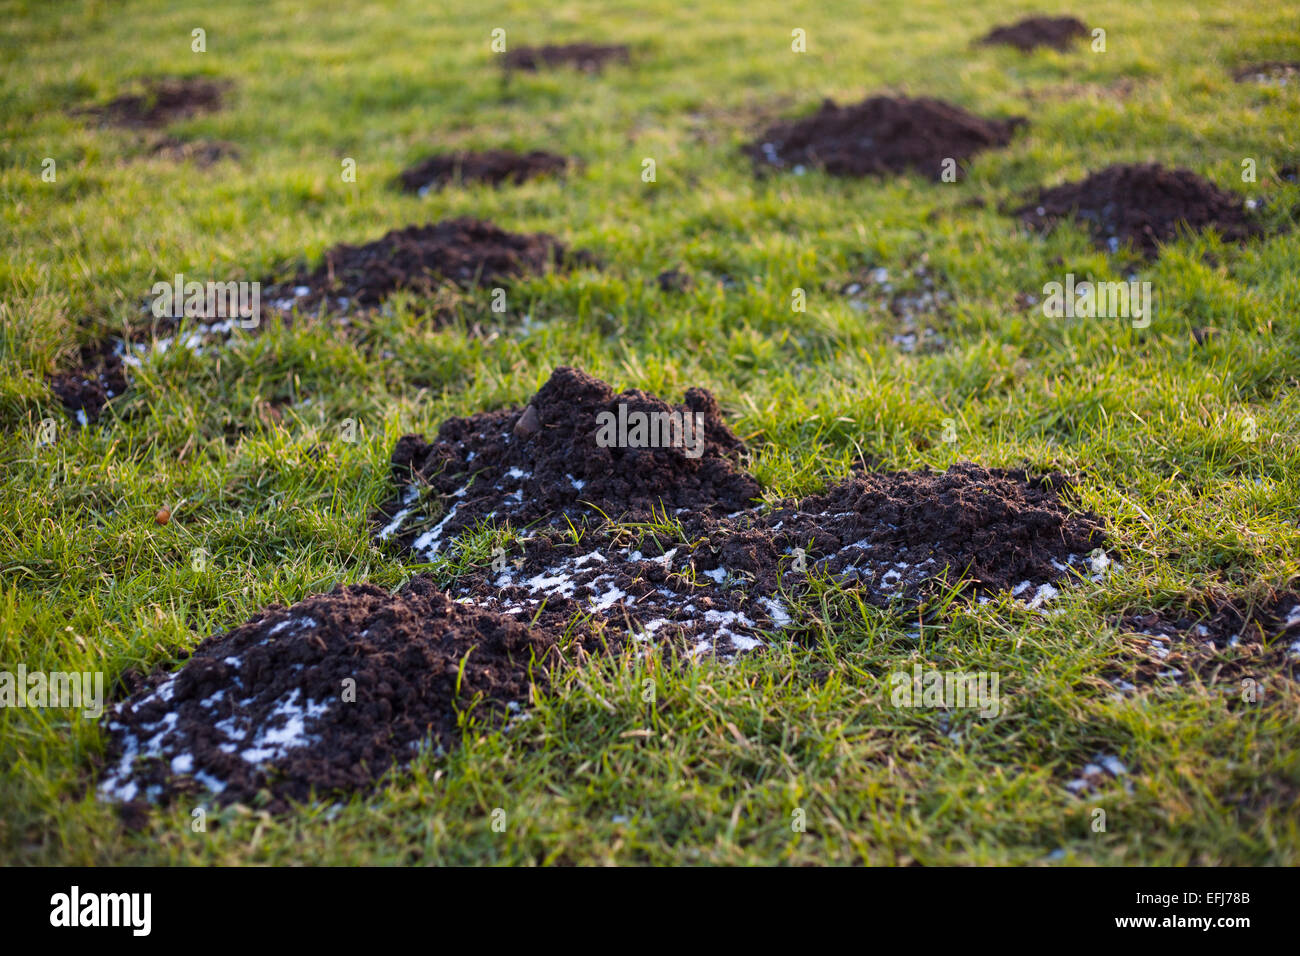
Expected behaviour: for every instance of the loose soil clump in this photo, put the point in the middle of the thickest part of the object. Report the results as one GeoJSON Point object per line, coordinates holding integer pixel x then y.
{"type": "Point", "coordinates": [686, 556]}
{"type": "Point", "coordinates": [164, 100]}
{"type": "Point", "coordinates": [494, 167]}
{"type": "Point", "coordinates": [324, 697]}
{"type": "Point", "coordinates": [878, 136]}
{"type": "Point", "coordinates": [1059, 33]}
{"type": "Point", "coordinates": [1144, 204]}
{"type": "Point", "coordinates": [588, 57]}
{"type": "Point", "coordinates": [86, 389]}
{"type": "Point", "coordinates": [467, 252]}
{"type": "Point", "coordinates": [1219, 638]}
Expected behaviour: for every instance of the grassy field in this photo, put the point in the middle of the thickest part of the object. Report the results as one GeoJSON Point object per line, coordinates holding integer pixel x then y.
{"type": "Point", "coordinates": [1189, 451]}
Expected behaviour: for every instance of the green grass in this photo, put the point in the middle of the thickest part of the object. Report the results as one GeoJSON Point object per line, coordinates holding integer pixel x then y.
{"type": "Point", "coordinates": [712, 769]}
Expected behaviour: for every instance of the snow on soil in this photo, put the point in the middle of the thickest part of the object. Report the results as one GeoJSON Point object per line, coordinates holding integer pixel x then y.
{"type": "Point", "coordinates": [1096, 775]}
{"type": "Point", "coordinates": [284, 728]}
{"type": "Point", "coordinates": [671, 610]}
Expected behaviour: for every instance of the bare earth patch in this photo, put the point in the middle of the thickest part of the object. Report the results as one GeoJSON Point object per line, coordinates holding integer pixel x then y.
{"type": "Point", "coordinates": [1271, 73]}
{"type": "Point", "coordinates": [87, 388]}
{"type": "Point", "coordinates": [419, 259]}
{"type": "Point", "coordinates": [201, 152]}
{"type": "Point", "coordinates": [328, 696]}
{"type": "Point", "coordinates": [588, 57]}
{"type": "Point", "coordinates": [162, 100]}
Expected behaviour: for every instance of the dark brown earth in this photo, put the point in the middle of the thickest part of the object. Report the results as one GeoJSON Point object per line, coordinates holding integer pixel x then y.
{"type": "Point", "coordinates": [704, 546]}
{"type": "Point", "coordinates": [353, 280]}
{"type": "Point", "coordinates": [494, 167]}
{"type": "Point", "coordinates": [98, 377]}
{"type": "Point", "coordinates": [418, 662]}
{"type": "Point", "coordinates": [878, 136]}
{"type": "Point", "coordinates": [464, 251]}
{"type": "Point", "coordinates": [553, 441]}
{"type": "Point", "coordinates": [1145, 204]}
{"type": "Point", "coordinates": [201, 152]}
{"type": "Point", "coordinates": [1219, 638]}
{"type": "Point", "coordinates": [163, 100]}
{"type": "Point", "coordinates": [992, 527]}
{"type": "Point", "coordinates": [674, 280]}
{"type": "Point", "coordinates": [1272, 71]}
{"type": "Point", "coordinates": [588, 57]}
{"type": "Point", "coordinates": [1059, 33]}
{"type": "Point", "coordinates": [260, 714]}
{"type": "Point", "coordinates": [706, 584]}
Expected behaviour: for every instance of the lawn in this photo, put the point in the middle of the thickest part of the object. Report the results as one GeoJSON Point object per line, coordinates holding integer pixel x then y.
{"type": "Point", "coordinates": [272, 454]}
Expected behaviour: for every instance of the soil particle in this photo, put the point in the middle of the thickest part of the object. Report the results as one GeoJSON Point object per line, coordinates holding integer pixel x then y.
{"type": "Point", "coordinates": [1270, 73]}
{"type": "Point", "coordinates": [1219, 638]}
{"type": "Point", "coordinates": [493, 167]}
{"type": "Point", "coordinates": [86, 389]}
{"type": "Point", "coordinates": [1059, 33]}
{"type": "Point", "coordinates": [1145, 204]}
{"type": "Point", "coordinates": [588, 57]}
{"type": "Point", "coordinates": [163, 100]}
{"type": "Point", "coordinates": [467, 252]}
{"type": "Point", "coordinates": [878, 136]}
{"type": "Point", "coordinates": [325, 696]}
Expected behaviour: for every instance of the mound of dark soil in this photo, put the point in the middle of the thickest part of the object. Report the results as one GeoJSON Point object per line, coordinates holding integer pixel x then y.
{"type": "Point", "coordinates": [1145, 204]}
{"type": "Point", "coordinates": [495, 166]}
{"type": "Point", "coordinates": [674, 280]}
{"type": "Point", "coordinates": [1059, 33]}
{"type": "Point", "coordinates": [588, 57]}
{"type": "Point", "coordinates": [547, 460]}
{"type": "Point", "coordinates": [163, 100]}
{"type": "Point", "coordinates": [880, 135]}
{"type": "Point", "coordinates": [465, 251]}
{"type": "Point", "coordinates": [325, 696]}
{"type": "Point", "coordinates": [708, 568]}
{"type": "Point", "coordinates": [201, 152]}
{"type": "Point", "coordinates": [86, 389]}
{"type": "Point", "coordinates": [1219, 638]}
{"type": "Point", "coordinates": [1272, 72]}
{"type": "Point", "coordinates": [715, 584]}
{"type": "Point", "coordinates": [994, 528]}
